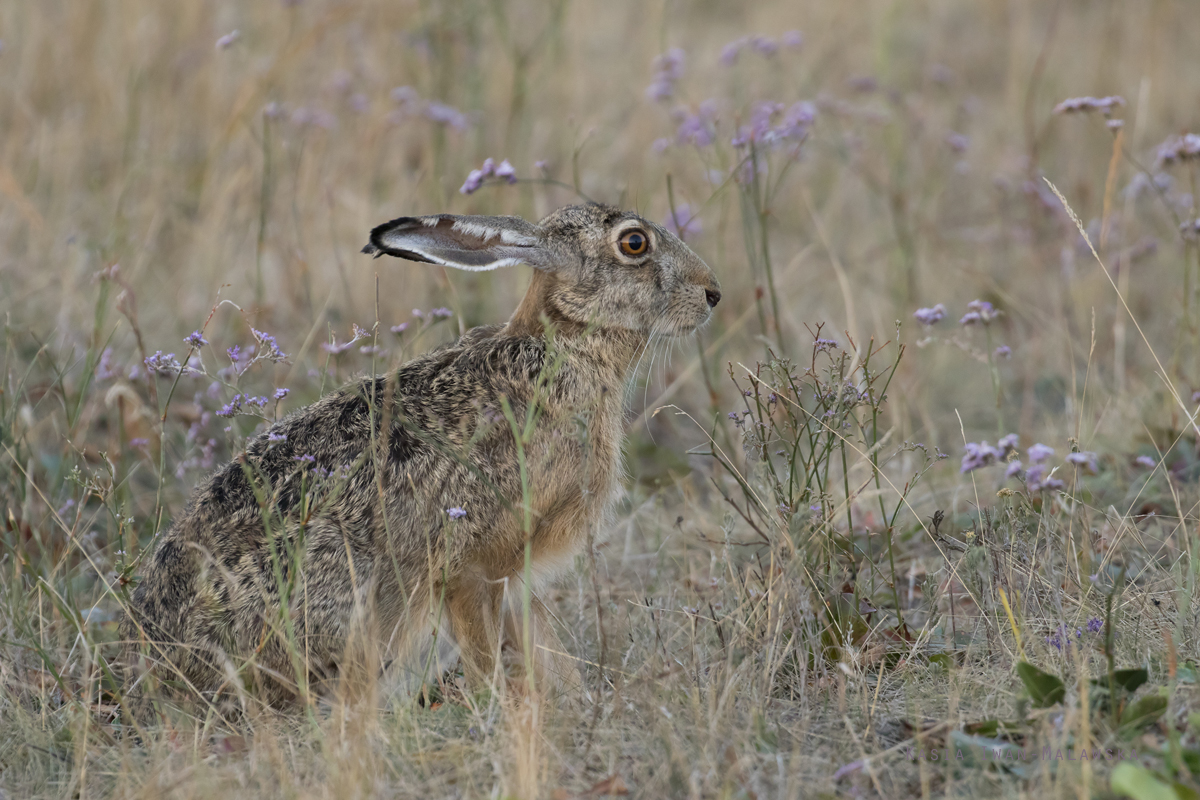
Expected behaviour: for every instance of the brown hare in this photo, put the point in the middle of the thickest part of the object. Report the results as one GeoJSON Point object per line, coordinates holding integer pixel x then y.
{"type": "Point", "coordinates": [401, 502]}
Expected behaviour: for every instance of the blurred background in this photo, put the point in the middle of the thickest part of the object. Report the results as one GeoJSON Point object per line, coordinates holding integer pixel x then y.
{"type": "Point", "coordinates": [240, 152]}
{"type": "Point", "coordinates": [857, 174]}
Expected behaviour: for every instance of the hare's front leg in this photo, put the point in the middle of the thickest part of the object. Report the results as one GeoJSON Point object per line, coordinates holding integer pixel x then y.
{"type": "Point", "coordinates": [473, 607]}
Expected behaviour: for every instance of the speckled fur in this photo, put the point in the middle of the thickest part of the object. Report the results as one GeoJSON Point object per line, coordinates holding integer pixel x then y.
{"type": "Point", "coordinates": [367, 558]}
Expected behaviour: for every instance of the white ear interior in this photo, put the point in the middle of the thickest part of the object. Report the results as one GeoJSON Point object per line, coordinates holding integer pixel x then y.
{"type": "Point", "coordinates": [475, 244]}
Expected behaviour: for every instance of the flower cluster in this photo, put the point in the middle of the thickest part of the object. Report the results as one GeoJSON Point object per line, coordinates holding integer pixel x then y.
{"type": "Point", "coordinates": [333, 348]}
{"type": "Point", "coordinates": [683, 222]}
{"type": "Point", "coordinates": [697, 128]}
{"type": "Point", "coordinates": [1084, 458]}
{"type": "Point", "coordinates": [793, 40]}
{"type": "Point", "coordinates": [1105, 105]}
{"type": "Point", "coordinates": [825, 345]}
{"type": "Point", "coordinates": [457, 512]}
{"type": "Point", "coordinates": [433, 314]}
{"type": "Point", "coordinates": [668, 69]}
{"type": "Point", "coordinates": [163, 363]}
{"type": "Point", "coordinates": [490, 169]}
{"type": "Point", "coordinates": [982, 454]}
{"type": "Point", "coordinates": [242, 404]}
{"type": "Point", "coordinates": [409, 102]}
{"type": "Point", "coordinates": [773, 124]}
{"type": "Point", "coordinates": [930, 316]}
{"type": "Point", "coordinates": [979, 311]}
{"type": "Point", "coordinates": [104, 367]}
{"type": "Point", "coordinates": [195, 340]}
{"type": "Point", "coordinates": [1062, 634]}
{"type": "Point", "coordinates": [1179, 148]}
{"type": "Point", "coordinates": [269, 348]}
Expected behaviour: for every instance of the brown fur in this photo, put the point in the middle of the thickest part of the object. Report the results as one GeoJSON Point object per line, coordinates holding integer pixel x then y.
{"type": "Point", "coordinates": [367, 558]}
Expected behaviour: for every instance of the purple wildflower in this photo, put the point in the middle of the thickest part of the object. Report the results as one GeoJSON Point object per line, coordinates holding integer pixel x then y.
{"type": "Point", "coordinates": [930, 316]}
{"type": "Point", "coordinates": [668, 69]}
{"type": "Point", "coordinates": [231, 408]}
{"type": "Point", "coordinates": [683, 222]}
{"type": "Point", "coordinates": [226, 41]}
{"type": "Point", "coordinates": [697, 129]}
{"type": "Point", "coordinates": [1036, 479]}
{"type": "Point", "coordinates": [506, 172]}
{"type": "Point", "coordinates": [163, 363]}
{"type": "Point", "coordinates": [1014, 469]}
{"type": "Point", "coordinates": [1040, 452]}
{"type": "Point", "coordinates": [729, 53]}
{"type": "Point", "coordinates": [1095, 625]}
{"type": "Point", "coordinates": [957, 142]}
{"type": "Point", "coordinates": [139, 443]}
{"type": "Point", "coordinates": [441, 313]}
{"type": "Point", "coordinates": [476, 177]}
{"type": "Point", "coordinates": [446, 115]}
{"type": "Point", "coordinates": [978, 311]}
{"type": "Point", "coordinates": [401, 328]}
{"type": "Point", "coordinates": [978, 456]}
{"type": "Point", "coordinates": [195, 340]}
{"type": "Point", "coordinates": [104, 370]}
{"type": "Point", "coordinates": [234, 352]}
{"type": "Point", "coordinates": [276, 438]}
{"type": "Point", "coordinates": [792, 40]}
{"type": "Point", "coordinates": [457, 512]}
{"type": "Point", "coordinates": [1084, 458]}
{"type": "Point", "coordinates": [270, 351]}
{"type": "Point", "coordinates": [472, 183]}
{"type": "Point", "coordinates": [314, 117]}
{"type": "Point", "coordinates": [763, 46]}
{"type": "Point", "coordinates": [1008, 444]}
{"type": "Point", "coordinates": [793, 126]}
{"type": "Point", "coordinates": [1146, 462]}
{"type": "Point", "coordinates": [1196, 397]}
{"type": "Point", "coordinates": [305, 459]}
{"type": "Point", "coordinates": [281, 393]}
{"type": "Point", "coordinates": [1105, 105]}
{"type": "Point", "coordinates": [1179, 148]}
{"type": "Point", "coordinates": [825, 345]}
{"type": "Point", "coordinates": [1003, 351]}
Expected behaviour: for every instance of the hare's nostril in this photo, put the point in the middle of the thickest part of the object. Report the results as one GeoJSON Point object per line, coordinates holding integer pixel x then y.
{"type": "Point", "coordinates": [713, 296]}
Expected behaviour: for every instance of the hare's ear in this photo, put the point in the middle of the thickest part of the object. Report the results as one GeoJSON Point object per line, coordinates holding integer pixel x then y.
{"type": "Point", "coordinates": [471, 243]}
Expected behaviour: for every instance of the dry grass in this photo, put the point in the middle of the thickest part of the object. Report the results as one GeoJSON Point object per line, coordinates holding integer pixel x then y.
{"type": "Point", "coordinates": [709, 651]}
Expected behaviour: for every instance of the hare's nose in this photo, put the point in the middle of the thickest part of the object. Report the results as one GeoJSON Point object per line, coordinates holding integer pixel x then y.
{"type": "Point", "coordinates": [713, 296]}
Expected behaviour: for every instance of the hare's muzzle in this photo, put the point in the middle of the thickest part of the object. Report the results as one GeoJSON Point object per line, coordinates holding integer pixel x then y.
{"type": "Point", "coordinates": [713, 296]}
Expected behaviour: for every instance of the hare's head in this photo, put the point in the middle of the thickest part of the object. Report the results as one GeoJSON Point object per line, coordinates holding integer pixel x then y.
{"type": "Point", "coordinates": [594, 264]}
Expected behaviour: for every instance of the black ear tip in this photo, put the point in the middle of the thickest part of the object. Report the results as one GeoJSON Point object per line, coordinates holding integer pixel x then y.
{"type": "Point", "coordinates": [371, 250]}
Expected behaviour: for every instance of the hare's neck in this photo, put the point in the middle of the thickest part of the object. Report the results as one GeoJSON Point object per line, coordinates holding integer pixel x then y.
{"type": "Point", "coordinates": [610, 352]}
{"type": "Point", "coordinates": [527, 319]}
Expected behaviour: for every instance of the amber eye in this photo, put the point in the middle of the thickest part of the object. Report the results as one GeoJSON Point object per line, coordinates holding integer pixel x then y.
{"type": "Point", "coordinates": [635, 242]}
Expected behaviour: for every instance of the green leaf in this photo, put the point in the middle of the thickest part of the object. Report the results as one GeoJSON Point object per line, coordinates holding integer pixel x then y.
{"type": "Point", "coordinates": [1130, 679]}
{"type": "Point", "coordinates": [1140, 783]}
{"type": "Point", "coordinates": [1143, 713]}
{"type": "Point", "coordinates": [1044, 689]}
{"type": "Point", "coordinates": [944, 659]}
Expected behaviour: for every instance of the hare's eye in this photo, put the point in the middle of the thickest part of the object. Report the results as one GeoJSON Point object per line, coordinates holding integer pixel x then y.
{"type": "Point", "coordinates": [635, 242]}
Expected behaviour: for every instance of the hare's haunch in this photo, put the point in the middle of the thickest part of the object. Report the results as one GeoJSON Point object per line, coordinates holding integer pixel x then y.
{"type": "Point", "coordinates": [329, 551]}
